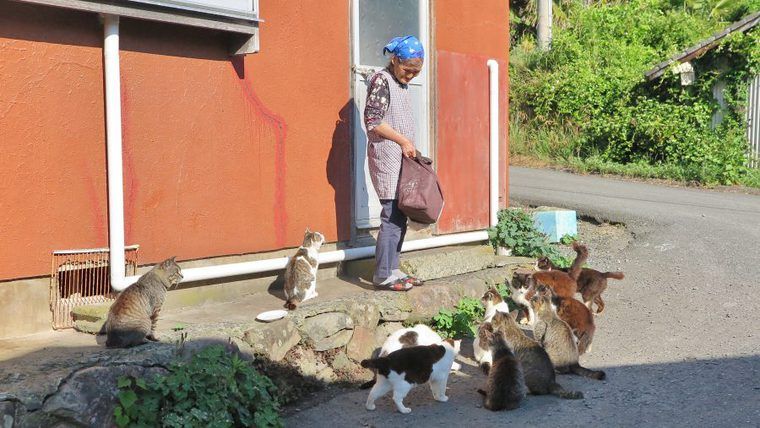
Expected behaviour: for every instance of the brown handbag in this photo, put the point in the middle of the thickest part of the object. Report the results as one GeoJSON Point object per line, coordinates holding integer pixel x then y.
{"type": "Point", "coordinates": [419, 193]}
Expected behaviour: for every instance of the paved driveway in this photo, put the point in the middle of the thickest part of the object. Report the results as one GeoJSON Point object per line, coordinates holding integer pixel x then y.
{"type": "Point", "coordinates": [680, 337]}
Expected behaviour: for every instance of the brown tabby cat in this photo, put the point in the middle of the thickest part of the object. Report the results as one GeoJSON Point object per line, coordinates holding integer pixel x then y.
{"type": "Point", "coordinates": [505, 387]}
{"type": "Point", "coordinates": [579, 318]}
{"type": "Point", "coordinates": [557, 338]}
{"type": "Point", "coordinates": [591, 283]}
{"type": "Point", "coordinates": [301, 270]}
{"type": "Point", "coordinates": [538, 370]}
{"type": "Point", "coordinates": [132, 318]}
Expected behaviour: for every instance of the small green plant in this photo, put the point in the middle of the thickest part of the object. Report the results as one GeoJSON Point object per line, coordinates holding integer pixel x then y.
{"type": "Point", "coordinates": [462, 321]}
{"type": "Point", "coordinates": [213, 389]}
{"type": "Point", "coordinates": [179, 326]}
{"type": "Point", "coordinates": [568, 239]}
{"type": "Point", "coordinates": [517, 231]}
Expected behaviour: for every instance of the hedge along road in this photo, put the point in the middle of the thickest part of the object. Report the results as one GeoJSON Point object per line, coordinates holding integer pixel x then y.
{"type": "Point", "coordinates": [679, 338]}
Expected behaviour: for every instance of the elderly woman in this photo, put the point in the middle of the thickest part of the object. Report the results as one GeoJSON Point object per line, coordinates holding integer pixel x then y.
{"type": "Point", "coordinates": [389, 119]}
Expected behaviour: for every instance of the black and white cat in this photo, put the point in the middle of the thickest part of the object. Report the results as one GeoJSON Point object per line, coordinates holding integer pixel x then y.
{"type": "Point", "coordinates": [419, 335]}
{"type": "Point", "coordinates": [401, 370]}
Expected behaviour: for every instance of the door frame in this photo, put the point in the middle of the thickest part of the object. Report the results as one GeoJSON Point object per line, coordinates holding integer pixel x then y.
{"type": "Point", "coordinates": [426, 33]}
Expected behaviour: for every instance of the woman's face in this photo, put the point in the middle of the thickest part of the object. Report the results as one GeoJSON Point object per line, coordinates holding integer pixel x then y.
{"type": "Point", "coordinates": [405, 71]}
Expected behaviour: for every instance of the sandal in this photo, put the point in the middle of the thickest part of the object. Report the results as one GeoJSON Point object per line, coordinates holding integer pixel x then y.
{"type": "Point", "coordinates": [397, 285]}
{"type": "Point", "coordinates": [416, 282]}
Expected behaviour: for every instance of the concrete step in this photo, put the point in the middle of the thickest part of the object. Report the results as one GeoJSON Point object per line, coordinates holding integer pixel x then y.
{"type": "Point", "coordinates": [437, 263]}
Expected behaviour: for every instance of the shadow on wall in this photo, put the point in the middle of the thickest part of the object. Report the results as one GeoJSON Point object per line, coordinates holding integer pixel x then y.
{"type": "Point", "coordinates": [338, 170]}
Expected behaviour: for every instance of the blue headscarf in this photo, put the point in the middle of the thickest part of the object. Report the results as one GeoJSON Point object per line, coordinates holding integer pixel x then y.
{"type": "Point", "coordinates": [405, 48]}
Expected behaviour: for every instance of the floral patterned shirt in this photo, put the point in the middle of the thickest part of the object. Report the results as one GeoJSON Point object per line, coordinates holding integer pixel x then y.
{"type": "Point", "coordinates": [378, 100]}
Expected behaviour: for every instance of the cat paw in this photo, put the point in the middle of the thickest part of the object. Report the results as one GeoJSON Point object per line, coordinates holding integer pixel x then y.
{"type": "Point", "coordinates": [152, 337]}
{"type": "Point", "coordinates": [370, 406]}
{"type": "Point", "coordinates": [455, 366]}
{"type": "Point", "coordinates": [524, 321]}
{"type": "Point", "coordinates": [442, 399]}
{"type": "Point", "coordinates": [405, 410]}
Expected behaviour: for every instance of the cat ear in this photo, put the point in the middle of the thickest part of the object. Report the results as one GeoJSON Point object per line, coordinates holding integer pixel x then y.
{"type": "Point", "coordinates": [307, 230]}
{"type": "Point", "coordinates": [513, 314]}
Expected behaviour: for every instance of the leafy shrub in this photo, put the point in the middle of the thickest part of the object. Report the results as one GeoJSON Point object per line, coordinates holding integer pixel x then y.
{"type": "Point", "coordinates": [589, 89]}
{"type": "Point", "coordinates": [213, 389]}
{"type": "Point", "coordinates": [516, 230]}
{"type": "Point", "coordinates": [462, 321]}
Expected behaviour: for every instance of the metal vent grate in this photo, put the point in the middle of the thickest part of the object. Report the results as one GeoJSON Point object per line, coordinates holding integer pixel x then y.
{"type": "Point", "coordinates": [82, 277]}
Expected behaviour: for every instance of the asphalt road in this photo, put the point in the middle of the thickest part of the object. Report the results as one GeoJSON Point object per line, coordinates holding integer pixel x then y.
{"type": "Point", "coordinates": [680, 337]}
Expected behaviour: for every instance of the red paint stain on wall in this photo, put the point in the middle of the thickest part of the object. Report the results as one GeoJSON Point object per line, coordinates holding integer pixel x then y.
{"type": "Point", "coordinates": [279, 128]}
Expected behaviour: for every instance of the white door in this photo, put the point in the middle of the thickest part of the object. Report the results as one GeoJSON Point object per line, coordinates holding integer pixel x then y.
{"type": "Point", "coordinates": [375, 22]}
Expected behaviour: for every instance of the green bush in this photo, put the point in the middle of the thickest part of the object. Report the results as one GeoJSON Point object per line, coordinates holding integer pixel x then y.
{"type": "Point", "coordinates": [462, 321]}
{"type": "Point", "coordinates": [587, 97]}
{"type": "Point", "coordinates": [214, 389]}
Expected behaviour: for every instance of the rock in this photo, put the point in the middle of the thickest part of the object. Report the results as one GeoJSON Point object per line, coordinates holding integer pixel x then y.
{"type": "Point", "coordinates": [362, 344]}
{"type": "Point", "coordinates": [8, 410]}
{"type": "Point", "coordinates": [326, 375]}
{"type": "Point", "coordinates": [394, 306]}
{"type": "Point", "coordinates": [274, 339]}
{"type": "Point", "coordinates": [364, 313]}
{"type": "Point", "coordinates": [337, 340]}
{"type": "Point", "coordinates": [305, 360]}
{"type": "Point", "coordinates": [89, 396]}
{"type": "Point", "coordinates": [89, 327]}
{"type": "Point", "coordinates": [341, 363]}
{"type": "Point", "coordinates": [321, 327]}
{"type": "Point", "coordinates": [91, 312]}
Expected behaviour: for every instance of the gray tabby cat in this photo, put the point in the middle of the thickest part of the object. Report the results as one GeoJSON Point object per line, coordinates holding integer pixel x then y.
{"type": "Point", "coordinates": [505, 388]}
{"type": "Point", "coordinates": [132, 318]}
{"type": "Point", "coordinates": [301, 270]}
{"type": "Point", "coordinates": [537, 367]}
{"type": "Point", "coordinates": [557, 338]}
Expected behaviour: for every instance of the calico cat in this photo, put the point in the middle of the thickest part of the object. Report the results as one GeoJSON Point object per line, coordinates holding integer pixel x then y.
{"type": "Point", "coordinates": [419, 335]}
{"type": "Point", "coordinates": [591, 283]}
{"type": "Point", "coordinates": [132, 317]}
{"type": "Point", "coordinates": [401, 370]}
{"type": "Point", "coordinates": [301, 270]}
{"type": "Point", "coordinates": [557, 338]}
{"type": "Point", "coordinates": [481, 346]}
{"type": "Point", "coordinates": [493, 302]}
{"type": "Point", "coordinates": [538, 370]}
{"type": "Point", "coordinates": [505, 387]}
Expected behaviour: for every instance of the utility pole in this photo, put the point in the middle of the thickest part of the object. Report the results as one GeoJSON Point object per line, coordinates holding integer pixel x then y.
{"type": "Point", "coordinates": [544, 29]}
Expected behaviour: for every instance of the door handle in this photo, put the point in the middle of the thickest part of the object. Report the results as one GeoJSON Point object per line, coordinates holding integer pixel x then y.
{"type": "Point", "coordinates": [365, 72]}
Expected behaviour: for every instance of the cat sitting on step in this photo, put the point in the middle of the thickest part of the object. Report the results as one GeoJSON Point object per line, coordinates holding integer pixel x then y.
{"type": "Point", "coordinates": [301, 270]}
{"type": "Point", "coordinates": [132, 317]}
{"type": "Point", "coordinates": [401, 370]}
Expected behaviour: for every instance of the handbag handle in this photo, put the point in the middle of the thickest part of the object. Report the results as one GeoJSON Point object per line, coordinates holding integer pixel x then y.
{"type": "Point", "coordinates": [422, 159]}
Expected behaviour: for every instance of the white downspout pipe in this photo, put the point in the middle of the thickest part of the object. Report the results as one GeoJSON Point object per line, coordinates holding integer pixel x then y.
{"type": "Point", "coordinates": [247, 268]}
{"type": "Point", "coordinates": [493, 122]}
{"type": "Point", "coordinates": [114, 151]}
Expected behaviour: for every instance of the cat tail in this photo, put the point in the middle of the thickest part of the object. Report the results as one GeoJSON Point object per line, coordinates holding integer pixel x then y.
{"type": "Point", "coordinates": [559, 391]}
{"type": "Point", "coordinates": [584, 342]}
{"type": "Point", "coordinates": [614, 275]}
{"type": "Point", "coordinates": [380, 364]}
{"type": "Point", "coordinates": [592, 374]}
{"type": "Point", "coordinates": [369, 384]}
{"type": "Point", "coordinates": [482, 392]}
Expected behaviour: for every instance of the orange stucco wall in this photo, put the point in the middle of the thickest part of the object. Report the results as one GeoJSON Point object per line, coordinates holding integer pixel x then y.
{"type": "Point", "coordinates": [220, 156]}
{"type": "Point", "coordinates": [466, 37]}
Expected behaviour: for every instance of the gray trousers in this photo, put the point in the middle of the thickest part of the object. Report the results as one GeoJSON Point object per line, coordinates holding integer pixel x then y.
{"type": "Point", "coordinates": [389, 239]}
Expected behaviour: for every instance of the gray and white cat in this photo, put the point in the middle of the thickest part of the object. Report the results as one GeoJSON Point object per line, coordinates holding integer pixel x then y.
{"type": "Point", "coordinates": [492, 302]}
{"type": "Point", "coordinates": [401, 370]}
{"type": "Point", "coordinates": [301, 270]}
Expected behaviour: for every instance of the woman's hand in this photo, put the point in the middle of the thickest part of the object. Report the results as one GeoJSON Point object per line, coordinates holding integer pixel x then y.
{"type": "Point", "coordinates": [408, 149]}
